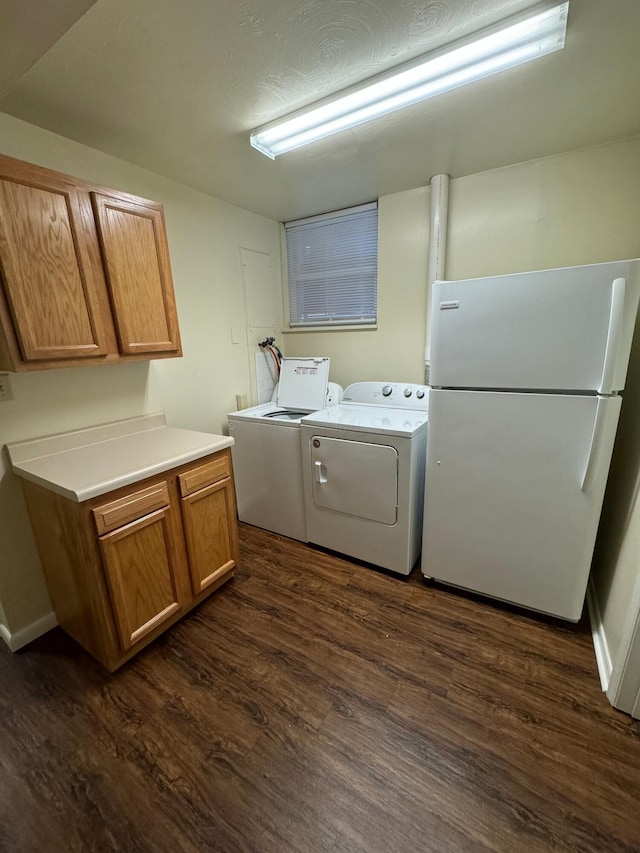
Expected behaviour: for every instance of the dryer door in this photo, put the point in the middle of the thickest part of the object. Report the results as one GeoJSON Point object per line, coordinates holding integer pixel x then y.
{"type": "Point", "coordinates": [355, 478]}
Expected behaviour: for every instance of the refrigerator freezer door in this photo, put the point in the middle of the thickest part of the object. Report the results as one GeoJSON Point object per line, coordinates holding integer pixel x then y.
{"type": "Point", "coordinates": [563, 330]}
{"type": "Point", "coordinates": [513, 492]}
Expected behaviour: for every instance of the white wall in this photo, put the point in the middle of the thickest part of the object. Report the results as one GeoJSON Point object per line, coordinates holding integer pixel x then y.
{"type": "Point", "coordinates": [196, 391]}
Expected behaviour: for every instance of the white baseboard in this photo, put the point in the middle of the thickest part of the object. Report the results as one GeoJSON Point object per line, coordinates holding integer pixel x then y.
{"type": "Point", "coordinates": [30, 632]}
{"type": "Point", "coordinates": [603, 658]}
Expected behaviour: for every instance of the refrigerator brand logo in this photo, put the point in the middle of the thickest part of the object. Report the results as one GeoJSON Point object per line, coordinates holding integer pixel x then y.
{"type": "Point", "coordinates": [450, 303]}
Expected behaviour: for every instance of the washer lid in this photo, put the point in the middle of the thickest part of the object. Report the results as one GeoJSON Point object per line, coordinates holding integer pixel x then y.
{"type": "Point", "coordinates": [303, 383]}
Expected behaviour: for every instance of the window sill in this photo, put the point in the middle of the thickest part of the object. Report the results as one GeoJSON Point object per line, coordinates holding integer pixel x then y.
{"type": "Point", "coordinates": [368, 327]}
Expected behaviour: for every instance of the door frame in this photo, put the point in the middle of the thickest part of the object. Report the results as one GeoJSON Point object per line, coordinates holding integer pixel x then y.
{"type": "Point", "coordinates": [624, 685]}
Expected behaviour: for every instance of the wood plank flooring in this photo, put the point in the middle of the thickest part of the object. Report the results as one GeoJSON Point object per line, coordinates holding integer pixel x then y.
{"type": "Point", "coordinates": [314, 704]}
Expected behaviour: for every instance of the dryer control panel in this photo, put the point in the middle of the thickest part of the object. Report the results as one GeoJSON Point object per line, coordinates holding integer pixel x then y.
{"type": "Point", "coordinates": [399, 395]}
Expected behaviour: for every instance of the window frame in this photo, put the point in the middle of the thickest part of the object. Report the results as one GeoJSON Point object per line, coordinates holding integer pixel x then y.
{"type": "Point", "coordinates": [337, 326]}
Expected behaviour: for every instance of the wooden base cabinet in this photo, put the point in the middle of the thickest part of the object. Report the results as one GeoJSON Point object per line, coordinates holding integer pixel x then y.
{"type": "Point", "coordinates": [208, 514]}
{"type": "Point", "coordinates": [141, 575]}
{"type": "Point", "coordinates": [123, 567]}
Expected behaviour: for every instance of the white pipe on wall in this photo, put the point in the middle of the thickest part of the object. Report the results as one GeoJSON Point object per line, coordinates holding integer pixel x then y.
{"type": "Point", "coordinates": [439, 208]}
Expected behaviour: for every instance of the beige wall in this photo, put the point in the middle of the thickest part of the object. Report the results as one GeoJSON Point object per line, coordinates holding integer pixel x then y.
{"type": "Point", "coordinates": [196, 391]}
{"type": "Point", "coordinates": [579, 207]}
{"type": "Point", "coordinates": [616, 567]}
{"type": "Point", "coordinates": [395, 350]}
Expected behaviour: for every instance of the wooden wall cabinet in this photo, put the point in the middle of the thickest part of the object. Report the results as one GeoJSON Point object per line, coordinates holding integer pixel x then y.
{"type": "Point", "coordinates": [122, 567]}
{"type": "Point", "coordinates": [86, 277]}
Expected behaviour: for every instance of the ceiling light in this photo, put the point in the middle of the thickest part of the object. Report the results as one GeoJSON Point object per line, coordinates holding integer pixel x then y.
{"type": "Point", "coordinates": [512, 43]}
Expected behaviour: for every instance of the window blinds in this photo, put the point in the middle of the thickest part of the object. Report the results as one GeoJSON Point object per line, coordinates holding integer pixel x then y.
{"type": "Point", "coordinates": [333, 264]}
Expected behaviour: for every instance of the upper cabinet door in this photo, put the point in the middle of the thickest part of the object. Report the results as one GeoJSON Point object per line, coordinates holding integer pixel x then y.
{"type": "Point", "coordinates": [136, 258]}
{"type": "Point", "coordinates": [49, 279]}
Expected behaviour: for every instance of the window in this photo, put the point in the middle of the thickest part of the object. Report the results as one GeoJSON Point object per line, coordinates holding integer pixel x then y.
{"type": "Point", "coordinates": [332, 262]}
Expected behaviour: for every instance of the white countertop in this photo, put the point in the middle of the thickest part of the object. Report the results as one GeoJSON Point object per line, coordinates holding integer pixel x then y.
{"type": "Point", "coordinates": [86, 463]}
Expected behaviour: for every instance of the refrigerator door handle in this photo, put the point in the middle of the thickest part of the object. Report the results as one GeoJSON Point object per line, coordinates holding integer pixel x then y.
{"type": "Point", "coordinates": [594, 446]}
{"type": "Point", "coordinates": [618, 292]}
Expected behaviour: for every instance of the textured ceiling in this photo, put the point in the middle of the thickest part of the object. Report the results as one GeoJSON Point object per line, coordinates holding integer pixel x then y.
{"type": "Point", "coordinates": [176, 86]}
{"type": "Point", "coordinates": [26, 33]}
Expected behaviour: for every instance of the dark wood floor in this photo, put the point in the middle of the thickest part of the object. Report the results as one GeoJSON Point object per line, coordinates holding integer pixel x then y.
{"type": "Point", "coordinates": [314, 704]}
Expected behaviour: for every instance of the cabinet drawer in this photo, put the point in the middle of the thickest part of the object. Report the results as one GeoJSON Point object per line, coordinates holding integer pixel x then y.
{"type": "Point", "coordinates": [114, 514]}
{"type": "Point", "coordinates": [204, 475]}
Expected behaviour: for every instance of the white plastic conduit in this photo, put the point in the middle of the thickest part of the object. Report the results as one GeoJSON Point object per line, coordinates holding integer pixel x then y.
{"type": "Point", "coordinates": [439, 208]}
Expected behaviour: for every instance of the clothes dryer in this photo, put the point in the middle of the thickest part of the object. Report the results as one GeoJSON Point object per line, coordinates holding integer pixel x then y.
{"type": "Point", "coordinates": [363, 465]}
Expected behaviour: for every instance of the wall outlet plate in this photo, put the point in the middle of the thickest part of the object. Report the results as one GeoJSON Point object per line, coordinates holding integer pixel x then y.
{"type": "Point", "coordinates": [5, 388]}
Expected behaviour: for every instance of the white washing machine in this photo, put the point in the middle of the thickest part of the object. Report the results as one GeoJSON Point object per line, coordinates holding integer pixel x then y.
{"type": "Point", "coordinates": [363, 465]}
{"type": "Point", "coordinates": [267, 465]}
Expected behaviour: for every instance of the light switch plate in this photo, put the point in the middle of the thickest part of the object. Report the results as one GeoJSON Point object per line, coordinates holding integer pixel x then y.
{"type": "Point", "coordinates": [5, 388]}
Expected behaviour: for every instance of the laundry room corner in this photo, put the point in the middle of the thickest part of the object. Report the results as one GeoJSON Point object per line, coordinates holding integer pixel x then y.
{"type": "Point", "coordinates": [395, 348]}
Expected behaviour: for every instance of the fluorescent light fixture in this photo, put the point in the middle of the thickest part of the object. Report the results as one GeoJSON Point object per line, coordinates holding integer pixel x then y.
{"type": "Point", "coordinates": [512, 43]}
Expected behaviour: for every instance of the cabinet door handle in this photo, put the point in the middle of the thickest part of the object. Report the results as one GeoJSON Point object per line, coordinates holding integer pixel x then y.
{"type": "Point", "coordinates": [320, 472]}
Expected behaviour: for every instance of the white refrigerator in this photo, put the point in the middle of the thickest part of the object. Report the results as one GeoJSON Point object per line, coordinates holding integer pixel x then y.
{"type": "Point", "coordinates": [526, 371]}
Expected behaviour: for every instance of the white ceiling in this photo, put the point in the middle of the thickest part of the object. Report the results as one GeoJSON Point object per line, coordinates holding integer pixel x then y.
{"type": "Point", "coordinates": [176, 86]}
